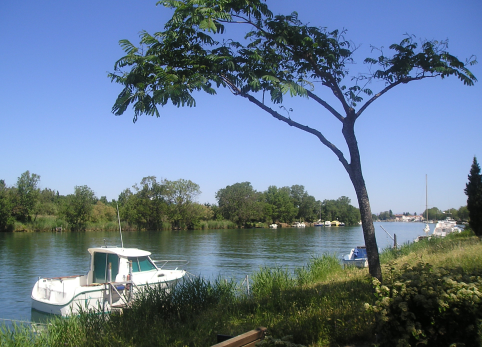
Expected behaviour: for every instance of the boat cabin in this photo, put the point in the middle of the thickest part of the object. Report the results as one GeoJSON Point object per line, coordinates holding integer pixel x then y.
{"type": "Point", "coordinates": [120, 260]}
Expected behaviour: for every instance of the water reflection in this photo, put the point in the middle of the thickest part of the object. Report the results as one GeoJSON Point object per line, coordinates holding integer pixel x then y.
{"type": "Point", "coordinates": [228, 253]}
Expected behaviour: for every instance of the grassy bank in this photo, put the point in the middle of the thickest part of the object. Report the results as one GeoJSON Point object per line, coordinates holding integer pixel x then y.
{"type": "Point", "coordinates": [319, 304]}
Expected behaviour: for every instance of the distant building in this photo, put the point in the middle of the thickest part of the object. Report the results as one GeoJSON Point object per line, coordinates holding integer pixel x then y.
{"type": "Point", "coordinates": [409, 218]}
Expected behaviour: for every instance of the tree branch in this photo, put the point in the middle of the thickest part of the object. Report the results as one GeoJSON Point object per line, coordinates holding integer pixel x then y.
{"type": "Point", "coordinates": [290, 122]}
{"type": "Point", "coordinates": [325, 105]}
{"type": "Point", "coordinates": [386, 89]}
{"type": "Point", "coordinates": [331, 83]}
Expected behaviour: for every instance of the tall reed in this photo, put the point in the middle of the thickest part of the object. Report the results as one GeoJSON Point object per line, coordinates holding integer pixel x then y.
{"type": "Point", "coordinates": [217, 224]}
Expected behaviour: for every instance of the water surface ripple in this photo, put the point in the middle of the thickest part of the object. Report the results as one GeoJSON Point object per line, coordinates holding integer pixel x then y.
{"type": "Point", "coordinates": [211, 253]}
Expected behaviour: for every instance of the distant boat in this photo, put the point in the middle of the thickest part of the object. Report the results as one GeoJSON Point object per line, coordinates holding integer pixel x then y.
{"type": "Point", "coordinates": [273, 226]}
{"type": "Point", "coordinates": [358, 257]}
{"type": "Point", "coordinates": [319, 223]}
{"type": "Point", "coordinates": [299, 225]}
{"type": "Point", "coordinates": [427, 227]}
{"type": "Point", "coordinates": [327, 223]}
{"type": "Point", "coordinates": [445, 227]}
{"type": "Point", "coordinates": [335, 223]}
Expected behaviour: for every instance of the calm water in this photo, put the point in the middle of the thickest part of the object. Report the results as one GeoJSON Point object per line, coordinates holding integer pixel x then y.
{"type": "Point", "coordinates": [229, 253]}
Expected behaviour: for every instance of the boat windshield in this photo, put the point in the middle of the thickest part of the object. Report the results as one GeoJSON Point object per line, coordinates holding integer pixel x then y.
{"type": "Point", "coordinates": [360, 253]}
{"type": "Point", "coordinates": [141, 264]}
{"type": "Point", "coordinates": [101, 266]}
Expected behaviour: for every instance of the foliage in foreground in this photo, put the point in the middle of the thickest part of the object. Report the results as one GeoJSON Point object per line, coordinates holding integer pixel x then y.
{"type": "Point", "coordinates": [196, 310]}
{"type": "Point", "coordinates": [192, 313]}
{"type": "Point", "coordinates": [423, 305]}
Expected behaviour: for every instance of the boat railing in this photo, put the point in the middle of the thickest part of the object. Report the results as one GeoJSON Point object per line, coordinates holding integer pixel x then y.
{"type": "Point", "coordinates": [126, 296]}
{"type": "Point", "coordinates": [170, 262]}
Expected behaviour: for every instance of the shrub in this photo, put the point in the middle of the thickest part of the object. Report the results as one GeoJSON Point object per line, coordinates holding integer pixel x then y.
{"type": "Point", "coordinates": [423, 305]}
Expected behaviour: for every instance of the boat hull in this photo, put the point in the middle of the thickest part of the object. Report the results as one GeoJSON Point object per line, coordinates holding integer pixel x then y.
{"type": "Point", "coordinates": [362, 262]}
{"type": "Point", "coordinates": [48, 298]}
{"type": "Point", "coordinates": [83, 302]}
{"type": "Point", "coordinates": [357, 257]}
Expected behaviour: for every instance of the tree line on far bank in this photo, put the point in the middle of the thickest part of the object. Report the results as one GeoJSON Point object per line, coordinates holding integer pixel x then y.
{"type": "Point", "coordinates": [162, 205]}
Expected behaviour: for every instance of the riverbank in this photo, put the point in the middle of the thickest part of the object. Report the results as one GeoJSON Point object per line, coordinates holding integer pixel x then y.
{"type": "Point", "coordinates": [319, 304]}
{"type": "Point", "coordinates": [54, 224]}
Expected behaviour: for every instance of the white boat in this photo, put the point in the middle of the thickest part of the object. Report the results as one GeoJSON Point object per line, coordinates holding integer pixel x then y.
{"type": "Point", "coordinates": [327, 223]}
{"type": "Point", "coordinates": [426, 229]}
{"type": "Point", "coordinates": [299, 225]}
{"type": "Point", "coordinates": [114, 277]}
{"type": "Point", "coordinates": [445, 227]}
{"type": "Point", "coordinates": [357, 257]}
{"type": "Point", "coordinates": [273, 226]}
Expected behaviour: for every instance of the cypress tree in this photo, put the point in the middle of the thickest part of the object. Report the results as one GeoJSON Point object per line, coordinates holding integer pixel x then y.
{"type": "Point", "coordinates": [473, 190]}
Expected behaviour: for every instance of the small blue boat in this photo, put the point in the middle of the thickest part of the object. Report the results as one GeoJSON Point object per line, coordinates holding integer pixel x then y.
{"type": "Point", "coordinates": [357, 257]}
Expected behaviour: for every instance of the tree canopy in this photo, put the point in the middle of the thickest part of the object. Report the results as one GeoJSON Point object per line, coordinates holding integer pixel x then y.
{"type": "Point", "coordinates": [278, 55]}
{"type": "Point", "coordinates": [28, 194]}
{"type": "Point", "coordinates": [239, 202]}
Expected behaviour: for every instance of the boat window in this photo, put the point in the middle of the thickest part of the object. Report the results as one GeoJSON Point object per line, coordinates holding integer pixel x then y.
{"type": "Point", "coordinates": [362, 253]}
{"type": "Point", "coordinates": [141, 264]}
{"type": "Point", "coordinates": [101, 261]}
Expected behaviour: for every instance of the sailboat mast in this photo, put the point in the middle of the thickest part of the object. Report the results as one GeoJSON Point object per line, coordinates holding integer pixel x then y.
{"type": "Point", "coordinates": [120, 229]}
{"type": "Point", "coordinates": [426, 198]}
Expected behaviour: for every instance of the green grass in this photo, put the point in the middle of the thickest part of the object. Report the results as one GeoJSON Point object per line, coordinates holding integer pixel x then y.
{"type": "Point", "coordinates": [319, 304]}
{"type": "Point", "coordinates": [49, 223]}
{"type": "Point", "coordinates": [41, 223]}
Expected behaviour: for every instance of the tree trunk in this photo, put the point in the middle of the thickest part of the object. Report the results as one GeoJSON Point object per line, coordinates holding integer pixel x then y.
{"type": "Point", "coordinates": [355, 172]}
{"type": "Point", "coordinates": [367, 225]}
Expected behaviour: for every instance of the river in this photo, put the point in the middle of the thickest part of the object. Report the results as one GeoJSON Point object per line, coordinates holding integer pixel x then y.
{"type": "Point", "coordinates": [211, 253]}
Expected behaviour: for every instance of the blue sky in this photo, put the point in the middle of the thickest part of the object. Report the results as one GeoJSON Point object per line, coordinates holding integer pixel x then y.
{"type": "Point", "coordinates": [56, 99]}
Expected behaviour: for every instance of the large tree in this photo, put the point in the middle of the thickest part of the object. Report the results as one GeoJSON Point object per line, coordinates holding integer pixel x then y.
{"type": "Point", "coordinates": [278, 55]}
{"type": "Point", "coordinates": [181, 196]}
{"type": "Point", "coordinates": [239, 203]}
{"type": "Point", "coordinates": [6, 206]}
{"type": "Point", "coordinates": [279, 205]}
{"type": "Point", "coordinates": [78, 207]}
{"type": "Point", "coordinates": [473, 189]}
{"type": "Point", "coordinates": [28, 195]}
{"type": "Point", "coordinates": [150, 206]}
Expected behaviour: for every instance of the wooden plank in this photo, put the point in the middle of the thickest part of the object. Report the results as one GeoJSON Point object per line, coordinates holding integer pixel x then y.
{"type": "Point", "coordinates": [244, 340]}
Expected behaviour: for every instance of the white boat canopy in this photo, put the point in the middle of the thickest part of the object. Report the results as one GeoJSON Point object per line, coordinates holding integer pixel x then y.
{"type": "Point", "coordinates": [122, 252]}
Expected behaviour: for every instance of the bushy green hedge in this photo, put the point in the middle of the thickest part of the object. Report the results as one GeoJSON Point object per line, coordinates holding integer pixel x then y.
{"type": "Point", "coordinates": [425, 306]}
